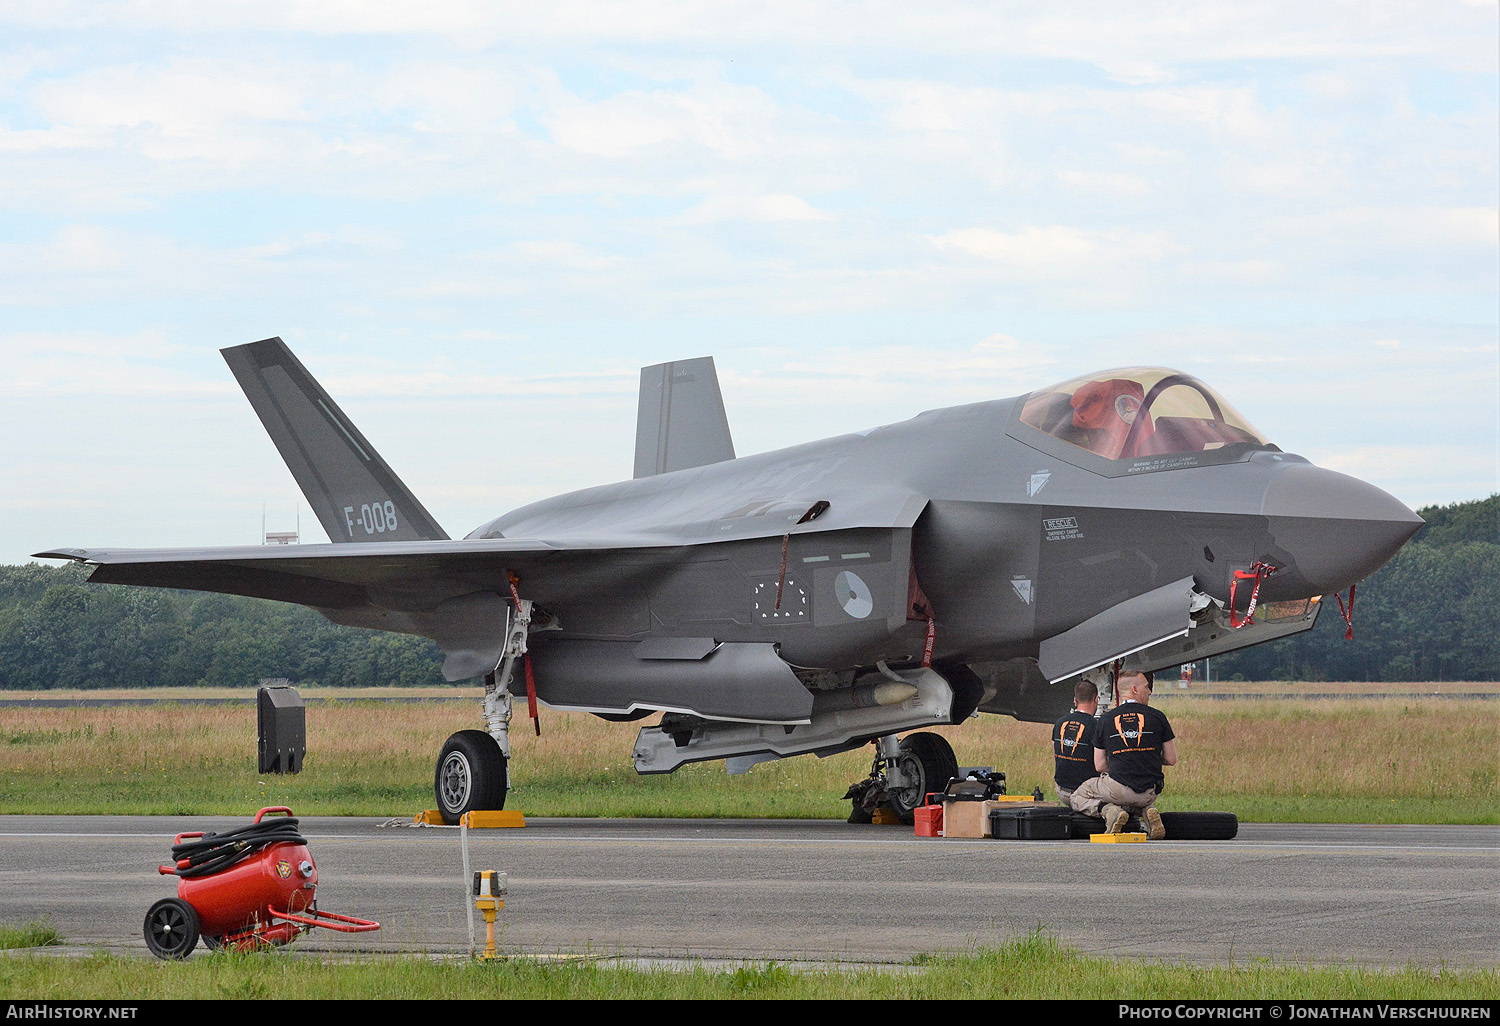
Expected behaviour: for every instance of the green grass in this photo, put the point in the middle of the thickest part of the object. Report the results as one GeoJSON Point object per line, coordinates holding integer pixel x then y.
{"type": "Point", "coordinates": [39, 933]}
{"type": "Point", "coordinates": [1031, 967]}
{"type": "Point", "coordinates": [1409, 760]}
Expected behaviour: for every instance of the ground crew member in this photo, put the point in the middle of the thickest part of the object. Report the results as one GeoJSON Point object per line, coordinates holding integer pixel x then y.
{"type": "Point", "coordinates": [1131, 746]}
{"type": "Point", "coordinates": [1073, 741]}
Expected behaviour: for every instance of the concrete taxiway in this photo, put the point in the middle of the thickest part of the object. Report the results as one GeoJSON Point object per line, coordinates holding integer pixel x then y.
{"type": "Point", "coordinates": [793, 890]}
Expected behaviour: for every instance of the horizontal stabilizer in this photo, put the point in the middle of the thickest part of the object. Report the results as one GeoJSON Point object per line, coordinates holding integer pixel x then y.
{"type": "Point", "coordinates": [1119, 631]}
{"type": "Point", "coordinates": [681, 421]}
{"type": "Point", "coordinates": [354, 494]}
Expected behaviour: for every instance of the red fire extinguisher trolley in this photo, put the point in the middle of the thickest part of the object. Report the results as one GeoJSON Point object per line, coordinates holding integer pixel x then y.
{"type": "Point", "coordinates": [246, 888]}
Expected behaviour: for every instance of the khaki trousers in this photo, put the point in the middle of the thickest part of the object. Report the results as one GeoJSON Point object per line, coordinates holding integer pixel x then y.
{"type": "Point", "coordinates": [1092, 795]}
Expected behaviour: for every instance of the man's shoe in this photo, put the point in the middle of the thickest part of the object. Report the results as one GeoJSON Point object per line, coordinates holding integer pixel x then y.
{"type": "Point", "coordinates": [1115, 819]}
{"type": "Point", "coordinates": [1154, 827]}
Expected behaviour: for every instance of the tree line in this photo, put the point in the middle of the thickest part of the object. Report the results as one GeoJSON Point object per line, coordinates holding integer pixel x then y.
{"type": "Point", "coordinates": [1431, 613]}
{"type": "Point", "coordinates": [56, 631]}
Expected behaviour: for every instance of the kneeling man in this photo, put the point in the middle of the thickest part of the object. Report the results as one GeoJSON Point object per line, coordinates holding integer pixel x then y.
{"type": "Point", "coordinates": [1131, 745]}
{"type": "Point", "coordinates": [1073, 742]}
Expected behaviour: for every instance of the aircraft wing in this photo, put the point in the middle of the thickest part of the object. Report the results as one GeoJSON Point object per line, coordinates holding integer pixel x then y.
{"type": "Point", "coordinates": [443, 590]}
{"type": "Point", "coordinates": [324, 576]}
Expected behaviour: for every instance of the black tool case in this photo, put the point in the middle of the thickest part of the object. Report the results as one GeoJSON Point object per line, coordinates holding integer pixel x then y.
{"type": "Point", "coordinates": [1030, 824]}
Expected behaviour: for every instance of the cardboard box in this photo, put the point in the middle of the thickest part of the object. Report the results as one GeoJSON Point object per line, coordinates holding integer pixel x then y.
{"type": "Point", "coordinates": [967, 819]}
{"type": "Point", "coordinates": [972, 819]}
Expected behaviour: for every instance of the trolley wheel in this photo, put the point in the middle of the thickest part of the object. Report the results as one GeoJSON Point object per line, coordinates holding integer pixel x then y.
{"type": "Point", "coordinates": [212, 943]}
{"type": "Point", "coordinates": [171, 928]}
{"type": "Point", "coordinates": [927, 759]}
{"type": "Point", "coordinates": [471, 774]}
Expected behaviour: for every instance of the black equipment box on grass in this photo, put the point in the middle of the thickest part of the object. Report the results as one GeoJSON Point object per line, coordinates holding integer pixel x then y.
{"type": "Point", "coordinates": [1030, 824]}
{"type": "Point", "coordinates": [281, 722]}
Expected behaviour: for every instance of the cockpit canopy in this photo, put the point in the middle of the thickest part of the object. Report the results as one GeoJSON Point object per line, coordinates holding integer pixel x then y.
{"type": "Point", "coordinates": [1135, 412]}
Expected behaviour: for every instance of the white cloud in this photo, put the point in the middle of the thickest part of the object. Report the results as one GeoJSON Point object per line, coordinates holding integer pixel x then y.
{"type": "Point", "coordinates": [1136, 36]}
{"type": "Point", "coordinates": [1246, 271]}
{"type": "Point", "coordinates": [182, 98]}
{"type": "Point", "coordinates": [1399, 228]}
{"type": "Point", "coordinates": [564, 254]}
{"type": "Point", "coordinates": [728, 121]}
{"type": "Point", "coordinates": [1138, 72]}
{"type": "Point", "coordinates": [753, 208]}
{"type": "Point", "coordinates": [1108, 183]}
{"type": "Point", "coordinates": [1056, 250]}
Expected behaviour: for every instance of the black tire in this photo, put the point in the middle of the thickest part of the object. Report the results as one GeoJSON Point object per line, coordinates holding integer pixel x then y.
{"type": "Point", "coordinates": [1180, 826]}
{"type": "Point", "coordinates": [930, 759]}
{"type": "Point", "coordinates": [471, 774]}
{"type": "Point", "coordinates": [1082, 826]}
{"type": "Point", "coordinates": [171, 928]}
{"type": "Point", "coordinates": [1200, 826]}
{"type": "Point", "coordinates": [212, 943]}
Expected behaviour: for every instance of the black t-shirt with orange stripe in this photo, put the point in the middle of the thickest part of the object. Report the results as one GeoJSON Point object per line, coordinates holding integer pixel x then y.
{"type": "Point", "coordinates": [1133, 735]}
{"type": "Point", "coordinates": [1073, 750]}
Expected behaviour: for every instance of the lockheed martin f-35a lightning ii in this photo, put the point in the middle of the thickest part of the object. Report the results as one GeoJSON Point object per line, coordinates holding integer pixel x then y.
{"type": "Point", "coordinates": [822, 597]}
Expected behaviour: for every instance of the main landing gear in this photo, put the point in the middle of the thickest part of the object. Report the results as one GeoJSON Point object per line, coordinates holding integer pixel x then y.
{"type": "Point", "coordinates": [904, 772]}
{"type": "Point", "coordinates": [473, 769]}
{"type": "Point", "coordinates": [471, 774]}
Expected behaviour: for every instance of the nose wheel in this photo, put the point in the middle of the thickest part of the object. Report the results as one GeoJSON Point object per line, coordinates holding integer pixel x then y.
{"type": "Point", "coordinates": [925, 763]}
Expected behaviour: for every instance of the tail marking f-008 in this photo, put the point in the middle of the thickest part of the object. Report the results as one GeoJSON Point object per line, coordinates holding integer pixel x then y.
{"type": "Point", "coordinates": [354, 493]}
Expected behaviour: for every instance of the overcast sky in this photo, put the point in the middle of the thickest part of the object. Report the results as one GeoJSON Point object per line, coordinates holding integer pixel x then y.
{"type": "Point", "coordinates": [475, 222]}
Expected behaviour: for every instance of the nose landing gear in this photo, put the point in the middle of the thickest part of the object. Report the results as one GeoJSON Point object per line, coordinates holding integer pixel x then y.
{"type": "Point", "coordinates": [903, 774]}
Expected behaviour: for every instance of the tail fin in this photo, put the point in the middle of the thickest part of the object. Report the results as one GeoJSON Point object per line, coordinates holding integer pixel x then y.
{"type": "Point", "coordinates": [680, 422]}
{"type": "Point", "coordinates": [350, 488]}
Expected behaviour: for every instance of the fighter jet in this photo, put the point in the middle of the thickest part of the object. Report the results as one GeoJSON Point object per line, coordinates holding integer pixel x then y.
{"type": "Point", "coordinates": [975, 559]}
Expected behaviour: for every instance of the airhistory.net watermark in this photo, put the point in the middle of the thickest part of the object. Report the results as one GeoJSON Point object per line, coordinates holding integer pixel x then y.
{"type": "Point", "coordinates": [57, 1010]}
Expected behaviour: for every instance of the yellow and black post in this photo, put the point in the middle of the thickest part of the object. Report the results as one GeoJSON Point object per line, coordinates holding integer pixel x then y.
{"type": "Point", "coordinates": [490, 889]}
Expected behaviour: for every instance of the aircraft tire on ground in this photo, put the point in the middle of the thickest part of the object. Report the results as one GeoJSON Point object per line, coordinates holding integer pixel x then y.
{"type": "Point", "coordinates": [1180, 826]}
{"type": "Point", "coordinates": [470, 774]}
{"type": "Point", "coordinates": [930, 759]}
{"type": "Point", "coordinates": [171, 928]}
{"type": "Point", "coordinates": [1200, 826]}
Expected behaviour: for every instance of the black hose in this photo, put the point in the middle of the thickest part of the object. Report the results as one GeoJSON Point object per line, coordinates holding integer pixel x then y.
{"type": "Point", "coordinates": [213, 853]}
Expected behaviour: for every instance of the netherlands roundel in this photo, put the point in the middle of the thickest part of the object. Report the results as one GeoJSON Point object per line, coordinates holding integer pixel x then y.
{"type": "Point", "coordinates": [853, 594]}
{"type": "Point", "coordinates": [283, 869]}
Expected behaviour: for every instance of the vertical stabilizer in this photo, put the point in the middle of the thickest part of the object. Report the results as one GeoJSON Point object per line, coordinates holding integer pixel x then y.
{"type": "Point", "coordinates": [681, 421]}
{"type": "Point", "coordinates": [351, 489]}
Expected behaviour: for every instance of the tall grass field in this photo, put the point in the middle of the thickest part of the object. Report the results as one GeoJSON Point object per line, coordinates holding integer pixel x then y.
{"type": "Point", "coordinates": [1373, 760]}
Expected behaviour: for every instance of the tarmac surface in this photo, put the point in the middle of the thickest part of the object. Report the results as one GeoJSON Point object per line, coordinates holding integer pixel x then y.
{"type": "Point", "coordinates": [823, 891]}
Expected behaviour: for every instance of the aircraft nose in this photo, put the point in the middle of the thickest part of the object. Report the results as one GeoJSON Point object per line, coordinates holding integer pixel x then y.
{"type": "Point", "coordinates": [1337, 529]}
